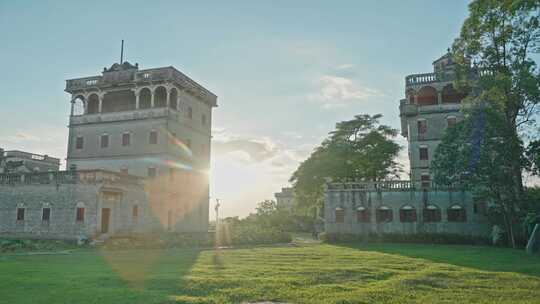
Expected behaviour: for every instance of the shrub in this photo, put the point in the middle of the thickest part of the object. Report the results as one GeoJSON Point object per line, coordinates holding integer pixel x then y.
{"type": "Point", "coordinates": [421, 238]}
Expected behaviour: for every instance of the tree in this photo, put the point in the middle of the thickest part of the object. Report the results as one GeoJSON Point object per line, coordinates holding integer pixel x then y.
{"type": "Point", "coordinates": [487, 150]}
{"type": "Point", "coordinates": [474, 155]}
{"type": "Point", "coordinates": [360, 148]}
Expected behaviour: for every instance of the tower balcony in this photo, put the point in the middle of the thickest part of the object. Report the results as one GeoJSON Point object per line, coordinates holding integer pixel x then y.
{"type": "Point", "coordinates": [424, 78]}
{"type": "Point", "coordinates": [123, 116]}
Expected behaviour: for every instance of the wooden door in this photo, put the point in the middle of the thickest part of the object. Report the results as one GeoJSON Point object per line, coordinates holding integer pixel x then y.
{"type": "Point", "coordinates": [105, 217]}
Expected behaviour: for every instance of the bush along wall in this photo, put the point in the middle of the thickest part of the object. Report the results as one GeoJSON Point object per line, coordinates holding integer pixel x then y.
{"type": "Point", "coordinates": [420, 238]}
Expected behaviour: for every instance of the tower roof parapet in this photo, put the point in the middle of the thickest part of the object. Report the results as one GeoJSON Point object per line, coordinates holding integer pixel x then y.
{"type": "Point", "coordinates": [127, 75]}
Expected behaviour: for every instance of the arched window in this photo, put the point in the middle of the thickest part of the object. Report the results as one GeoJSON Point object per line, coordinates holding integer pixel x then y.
{"type": "Point", "coordinates": [384, 214]}
{"type": "Point", "coordinates": [117, 101]}
{"type": "Point", "coordinates": [160, 97]}
{"type": "Point", "coordinates": [145, 99]}
{"type": "Point", "coordinates": [407, 214]}
{"type": "Point", "coordinates": [173, 97]}
{"type": "Point", "coordinates": [93, 104]}
{"type": "Point", "coordinates": [427, 96]}
{"type": "Point", "coordinates": [340, 215]}
{"type": "Point", "coordinates": [77, 106]}
{"type": "Point", "coordinates": [432, 214]}
{"type": "Point", "coordinates": [450, 95]}
{"type": "Point", "coordinates": [79, 216]}
{"type": "Point", "coordinates": [456, 213]}
{"type": "Point", "coordinates": [362, 215]}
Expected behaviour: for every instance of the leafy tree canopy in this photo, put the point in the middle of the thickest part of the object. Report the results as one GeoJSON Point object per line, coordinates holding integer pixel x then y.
{"type": "Point", "coordinates": [360, 148]}
{"type": "Point", "coordinates": [488, 151]}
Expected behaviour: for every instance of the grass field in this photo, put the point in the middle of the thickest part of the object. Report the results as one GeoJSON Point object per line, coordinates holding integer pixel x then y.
{"type": "Point", "coordinates": [307, 273]}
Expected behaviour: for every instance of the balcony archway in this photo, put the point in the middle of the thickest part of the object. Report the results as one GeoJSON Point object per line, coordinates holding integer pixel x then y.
{"type": "Point", "coordinates": [451, 95]}
{"type": "Point", "coordinates": [145, 99]}
{"type": "Point", "coordinates": [77, 106]}
{"type": "Point", "coordinates": [427, 96]}
{"type": "Point", "coordinates": [117, 101]}
{"type": "Point", "coordinates": [160, 97]}
{"type": "Point", "coordinates": [93, 104]}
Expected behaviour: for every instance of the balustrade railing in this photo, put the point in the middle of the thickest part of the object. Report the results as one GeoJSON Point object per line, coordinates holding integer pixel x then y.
{"type": "Point", "coordinates": [67, 177]}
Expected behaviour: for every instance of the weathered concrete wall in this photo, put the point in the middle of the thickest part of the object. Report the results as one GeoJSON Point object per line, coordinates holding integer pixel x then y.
{"type": "Point", "coordinates": [63, 201]}
{"type": "Point", "coordinates": [350, 200]}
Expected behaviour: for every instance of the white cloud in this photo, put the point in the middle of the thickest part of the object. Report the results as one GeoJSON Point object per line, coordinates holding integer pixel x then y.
{"type": "Point", "coordinates": [335, 91]}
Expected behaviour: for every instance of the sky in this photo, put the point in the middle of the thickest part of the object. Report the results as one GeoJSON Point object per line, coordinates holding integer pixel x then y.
{"type": "Point", "coordinates": [284, 71]}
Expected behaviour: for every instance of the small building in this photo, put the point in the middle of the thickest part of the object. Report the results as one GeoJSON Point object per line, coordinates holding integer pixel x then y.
{"type": "Point", "coordinates": [399, 207]}
{"type": "Point", "coordinates": [25, 162]}
{"type": "Point", "coordinates": [285, 198]}
{"type": "Point", "coordinates": [431, 106]}
{"type": "Point", "coordinates": [72, 205]}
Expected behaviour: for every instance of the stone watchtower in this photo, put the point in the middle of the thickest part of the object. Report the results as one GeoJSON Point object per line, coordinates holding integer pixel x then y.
{"type": "Point", "coordinates": [431, 105]}
{"type": "Point", "coordinates": [153, 123]}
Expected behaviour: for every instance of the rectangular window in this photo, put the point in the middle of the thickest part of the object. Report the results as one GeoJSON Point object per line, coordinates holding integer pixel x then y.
{"type": "Point", "coordinates": [20, 214]}
{"type": "Point", "coordinates": [135, 211]}
{"type": "Point", "coordinates": [80, 215]}
{"type": "Point", "coordinates": [151, 172]}
{"type": "Point", "coordinates": [153, 140]}
{"type": "Point", "coordinates": [425, 180]}
{"type": "Point", "coordinates": [451, 121]}
{"type": "Point", "coordinates": [203, 120]}
{"type": "Point", "coordinates": [126, 139]}
{"type": "Point", "coordinates": [362, 216]}
{"type": "Point", "coordinates": [422, 127]}
{"type": "Point", "coordinates": [456, 214]}
{"type": "Point", "coordinates": [46, 214]}
{"type": "Point", "coordinates": [340, 215]}
{"type": "Point", "coordinates": [384, 215]}
{"type": "Point", "coordinates": [190, 112]}
{"type": "Point", "coordinates": [407, 215]}
{"type": "Point", "coordinates": [424, 153]}
{"type": "Point", "coordinates": [104, 141]}
{"type": "Point", "coordinates": [79, 143]}
{"type": "Point", "coordinates": [432, 214]}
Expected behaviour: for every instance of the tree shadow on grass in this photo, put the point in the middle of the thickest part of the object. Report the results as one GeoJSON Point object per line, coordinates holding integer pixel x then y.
{"type": "Point", "coordinates": [477, 257]}
{"type": "Point", "coordinates": [157, 272]}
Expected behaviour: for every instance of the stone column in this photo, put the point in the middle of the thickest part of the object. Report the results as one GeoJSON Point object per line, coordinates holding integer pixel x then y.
{"type": "Point", "coordinates": [72, 104]}
{"type": "Point", "coordinates": [415, 99]}
{"type": "Point", "coordinates": [100, 107]}
{"type": "Point", "coordinates": [137, 94]}
{"type": "Point", "coordinates": [152, 99]}
{"type": "Point", "coordinates": [168, 98]}
{"type": "Point", "coordinates": [439, 97]}
{"type": "Point", "coordinates": [85, 105]}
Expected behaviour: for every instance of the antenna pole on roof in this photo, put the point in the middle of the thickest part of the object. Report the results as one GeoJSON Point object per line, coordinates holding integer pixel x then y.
{"type": "Point", "coordinates": [122, 52]}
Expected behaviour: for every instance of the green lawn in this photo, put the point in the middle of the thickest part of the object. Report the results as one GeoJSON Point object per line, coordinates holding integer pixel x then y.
{"type": "Point", "coordinates": [309, 273]}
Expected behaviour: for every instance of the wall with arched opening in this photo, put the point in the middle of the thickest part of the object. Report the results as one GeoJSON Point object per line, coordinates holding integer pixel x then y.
{"type": "Point", "coordinates": [160, 97]}
{"type": "Point", "coordinates": [450, 95]}
{"type": "Point", "coordinates": [93, 104]}
{"type": "Point", "coordinates": [78, 106]}
{"type": "Point", "coordinates": [117, 101]}
{"type": "Point", "coordinates": [407, 214]}
{"type": "Point", "coordinates": [145, 99]}
{"type": "Point", "coordinates": [426, 96]}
